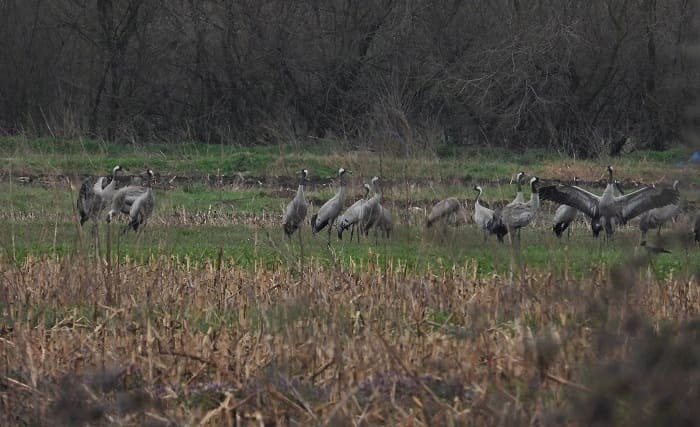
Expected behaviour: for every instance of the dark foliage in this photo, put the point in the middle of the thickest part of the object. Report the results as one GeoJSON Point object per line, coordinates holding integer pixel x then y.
{"type": "Point", "coordinates": [582, 77]}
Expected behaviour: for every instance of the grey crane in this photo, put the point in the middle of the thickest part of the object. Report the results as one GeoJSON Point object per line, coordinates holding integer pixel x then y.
{"type": "Point", "coordinates": [296, 210]}
{"type": "Point", "coordinates": [384, 224]}
{"type": "Point", "coordinates": [142, 207]}
{"type": "Point", "coordinates": [443, 209]}
{"type": "Point", "coordinates": [596, 223]}
{"type": "Point", "coordinates": [564, 216]}
{"type": "Point", "coordinates": [518, 215]}
{"type": "Point", "coordinates": [331, 209]}
{"type": "Point", "coordinates": [109, 190]}
{"type": "Point", "coordinates": [610, 209]}
{"type": "Point", "coordinates": [124, 198]}
{"type": "Point", "coordinates": [371, 211]}
{"type": "Point", "coordinates": [488, 220]}
{"type": "Point", "coordinates": [89, 200]}
{"type": "Point", "coordinates": [353, 215]}
{"type": "Point", "coordinates": [519, 197]}
{"type": "Point", "coordinates": [655, 218]}
{"type": "Point", "coordinates": [92, 197]}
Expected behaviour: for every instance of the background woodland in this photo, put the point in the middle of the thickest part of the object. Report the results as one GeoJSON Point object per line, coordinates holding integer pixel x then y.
{"type": "Point", "coordinates": [572, 76]}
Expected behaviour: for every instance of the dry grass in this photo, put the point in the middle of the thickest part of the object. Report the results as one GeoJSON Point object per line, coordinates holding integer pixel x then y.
{"type": "Point", "coordinates": [202, 340]}
{"type": "Point", "coordinates": [106, 341]}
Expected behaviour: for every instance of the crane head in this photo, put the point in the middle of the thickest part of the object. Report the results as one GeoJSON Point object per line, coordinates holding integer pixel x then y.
{"type": "Point", "coordinates": [610, 174]}
{"type": "Point", "coordinates": [518, 177]}
{"type": "Point", "coordinates": [367, 189]}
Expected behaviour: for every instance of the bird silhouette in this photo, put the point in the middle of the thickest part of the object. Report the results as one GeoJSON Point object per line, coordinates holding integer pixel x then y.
{"type": "Point", "coordinates": [653, 249]}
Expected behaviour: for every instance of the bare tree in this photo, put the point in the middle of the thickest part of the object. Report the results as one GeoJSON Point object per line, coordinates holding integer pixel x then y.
{"type": "Point", "coordinates": [567, 75]}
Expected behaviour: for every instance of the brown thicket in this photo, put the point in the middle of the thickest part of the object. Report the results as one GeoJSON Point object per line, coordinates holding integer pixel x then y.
{"type": "Point", "coordinates": [579, 77]}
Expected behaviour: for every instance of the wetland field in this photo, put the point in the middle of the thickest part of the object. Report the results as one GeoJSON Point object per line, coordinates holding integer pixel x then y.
{"type": "Point", "coordinates": [211, 316]}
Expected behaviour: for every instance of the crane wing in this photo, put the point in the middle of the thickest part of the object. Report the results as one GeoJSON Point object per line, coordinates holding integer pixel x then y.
{"type": "Point", "coordinates": [482, 215]}
{"type": "Point", "coordinates": [564, 213]}
{"type": "Point", "coordinates": [518, 214]}
{"type": "Point", "coordinates": [574, 196]}
{"type": "Point", "coordinates": [644, 199]}
{"type": "Point", "coordinates": [443, 208]}
{"type": "Point", "coordinates": [330, 209]}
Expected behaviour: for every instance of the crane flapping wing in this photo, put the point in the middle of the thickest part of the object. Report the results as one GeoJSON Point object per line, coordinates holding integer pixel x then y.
{"type": "Point", "coordinates": [644, 199]}
{"type": "Point", "coordinates": [577, 197]}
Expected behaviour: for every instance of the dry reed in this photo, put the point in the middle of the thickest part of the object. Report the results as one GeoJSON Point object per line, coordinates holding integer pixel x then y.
{"type": "Point", "coordinates": [214, 344]}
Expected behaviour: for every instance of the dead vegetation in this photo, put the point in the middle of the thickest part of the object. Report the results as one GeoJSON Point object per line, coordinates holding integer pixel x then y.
{"type": "Point", "coordinates": [164, 342]}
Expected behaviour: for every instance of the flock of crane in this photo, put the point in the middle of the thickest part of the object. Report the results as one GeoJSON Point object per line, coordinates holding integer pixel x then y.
{"type": "Point", "coordinates": [96, 194]}
{"type": "Point", "coordinates": [364, 214]}
{"type": "Point", "coordinates": [655, 205]}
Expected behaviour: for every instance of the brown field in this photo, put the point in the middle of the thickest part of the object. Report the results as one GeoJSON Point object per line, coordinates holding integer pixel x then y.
{"type": "Point", "coordinates": [116, 342]}
{"type": "Point", "coordinates": [211, 317]}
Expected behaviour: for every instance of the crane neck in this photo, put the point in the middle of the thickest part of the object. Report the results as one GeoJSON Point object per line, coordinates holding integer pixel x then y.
{"type": "Point", "coordinates": [377, 190]}
{"type": "Point", "coordinates": [535, 195]}
{"type": "Point", "coordinates": [341, 190]}
{"type": "Point", "coordinates": [609, 192]}
{"type": "Point", "coordinates": [535, 198]}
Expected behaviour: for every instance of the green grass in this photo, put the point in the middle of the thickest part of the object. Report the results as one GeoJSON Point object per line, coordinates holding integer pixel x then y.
{"type": "Point", "coordinates": [194, 220]}
{"type": "Point", "coordinates": [413, 248]}
{"type": "Point", "coordinates": [48, 156]}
